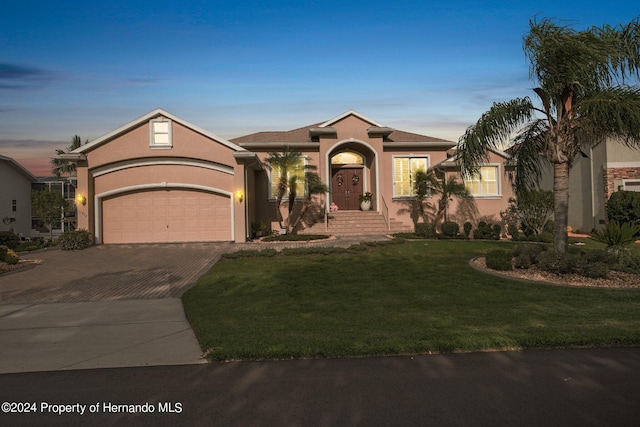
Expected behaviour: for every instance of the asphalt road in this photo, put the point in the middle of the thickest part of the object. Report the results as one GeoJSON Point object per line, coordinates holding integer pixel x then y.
{"type": "Point", "coordinates": [598, 387]}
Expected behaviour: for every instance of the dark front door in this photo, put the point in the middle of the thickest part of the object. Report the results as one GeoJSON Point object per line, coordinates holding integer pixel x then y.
{"type": "Point", "coordinates": [346, 186]}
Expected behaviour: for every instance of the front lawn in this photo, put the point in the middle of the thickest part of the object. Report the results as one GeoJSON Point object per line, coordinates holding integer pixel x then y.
{"type": "Point", "coordinates": [408, 298]}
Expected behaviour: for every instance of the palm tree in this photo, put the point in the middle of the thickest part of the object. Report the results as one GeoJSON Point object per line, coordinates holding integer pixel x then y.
{"type": "Point", "coordinates": [449, 189]}
{"type": "Point", "coordinates": [66, 167]}
{"type": "Point", "coordinates": [427, 182]}
{"type": "Point", "coordinates": [286, 165]}
{"type": "Point", "coordinates": [314, 186]}
{"type": "Point", "coordinates": [290, 169]}
{"type": "Point", "coordinates": [583, 98]}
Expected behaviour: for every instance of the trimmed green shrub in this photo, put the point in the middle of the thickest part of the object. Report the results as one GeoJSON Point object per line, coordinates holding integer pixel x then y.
{"type": "Point", "coordinates": [557, 262]}
{"type": "Point", "coordinates": [9, 239]}
{"type": "Point", "coordinates": [593, 269]}
{"type": "Point", "coordinates": [467, 227]}
{"type": "Point", "coordinates": [487, 231]}
{"type": "Point", "coordinates": [628, 261]}
{"type": "Point", "coordinates": [601, 255]}
{"type": "Point", "coordinates": [450, 229]}
{"type": "Point", "coordinates": [512, 229]}
{"type": "Point", "coordinates": [426, 230]}
{"type": "Point", "coordinates": [295, 237]}
{"type": "Point", "coordinates": [499, 259]}
{"type": "Point", "coordinates": [250, 253]}
{"type": "Point", "coordinates": [75, 240]}
{"type": "Point", "coordinates": [549, 227]}
{"type": "Point", "coordinates": [529, 250]}
{"type": "Point", "coordinates": [3, 252]}
{"type": "Point", "coordinates": [624, 206]}
{"type": "Point", "coordinates": [522, 262]}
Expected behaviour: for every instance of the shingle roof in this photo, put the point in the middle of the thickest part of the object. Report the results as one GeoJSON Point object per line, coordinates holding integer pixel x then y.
{"type": "Point", "coordinates": [295, 135]}
{"type": "Point", "coordinates": [303, 135]}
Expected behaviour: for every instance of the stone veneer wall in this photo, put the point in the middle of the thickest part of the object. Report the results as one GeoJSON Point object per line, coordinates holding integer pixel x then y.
{"type": "Point", "coordinates": [618, 174]}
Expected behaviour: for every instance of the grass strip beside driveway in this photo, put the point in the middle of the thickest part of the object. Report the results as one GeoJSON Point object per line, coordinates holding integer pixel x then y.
{"type": "Point", "coordinates": [407, 298]}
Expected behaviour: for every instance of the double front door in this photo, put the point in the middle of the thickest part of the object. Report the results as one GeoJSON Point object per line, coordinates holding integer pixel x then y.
{"type": "Point", "coordinates": [346, 187]}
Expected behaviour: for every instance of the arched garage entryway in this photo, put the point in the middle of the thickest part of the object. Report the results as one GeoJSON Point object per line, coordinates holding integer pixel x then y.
{"type": "Point", "coordinates": [165, 214]}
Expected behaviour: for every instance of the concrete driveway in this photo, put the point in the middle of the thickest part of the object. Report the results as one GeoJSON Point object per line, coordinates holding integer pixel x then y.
{"type": "Point", "coordinates": [106, 306]}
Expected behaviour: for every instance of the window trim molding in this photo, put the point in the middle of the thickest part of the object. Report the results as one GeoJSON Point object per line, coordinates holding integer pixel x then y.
{"type": "Point", "coordinates": [393, 174]}
{"type": "Point", "coordinates": [498, 181]}
{"type": "Point", "coordinates": [152, 134]}
{"type": "Point", "coordinates": [630, 181]}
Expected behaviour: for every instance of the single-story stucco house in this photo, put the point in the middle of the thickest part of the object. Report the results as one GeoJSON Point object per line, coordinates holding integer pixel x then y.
{"type": "Point", "coordinates": [160, 178]}
{"type": "Point", "coordinates": [15, 197]}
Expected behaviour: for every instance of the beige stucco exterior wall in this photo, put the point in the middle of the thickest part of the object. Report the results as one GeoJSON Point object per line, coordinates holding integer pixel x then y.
{"type": "Point", "coordinates": [194, 161]}
{"type": "Point", "coordinates": [483, 208]}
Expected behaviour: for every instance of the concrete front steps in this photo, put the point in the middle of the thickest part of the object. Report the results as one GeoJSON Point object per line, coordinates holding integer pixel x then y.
{"type": "Point", "coordinates": [351, 223]}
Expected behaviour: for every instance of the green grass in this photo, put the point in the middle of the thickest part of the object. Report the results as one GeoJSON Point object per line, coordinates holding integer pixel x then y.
{"type": "Point", "coordinates": [407, 298]}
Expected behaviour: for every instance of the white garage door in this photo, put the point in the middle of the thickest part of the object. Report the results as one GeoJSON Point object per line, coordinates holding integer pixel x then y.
{"type": "Point", "coordinates": [166, 216]}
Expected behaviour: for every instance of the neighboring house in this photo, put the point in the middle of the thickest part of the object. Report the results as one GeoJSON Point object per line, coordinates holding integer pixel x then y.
{"type": "Point", "coordinates": [15, 197]}
{"type": "Point", "coordinates": [162, 179]}
{"type": "Point", "coordinates": [66, 186]}
{"type": "Point", "coordinates": [606, 168]}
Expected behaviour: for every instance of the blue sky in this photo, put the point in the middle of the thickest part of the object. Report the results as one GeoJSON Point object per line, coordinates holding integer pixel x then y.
{"type": "Point", "coordinates": [237, 67]}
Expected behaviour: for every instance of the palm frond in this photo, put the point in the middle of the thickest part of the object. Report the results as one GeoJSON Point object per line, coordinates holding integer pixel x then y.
{"type": "Point", "coordinates": [613, 112]}
{"type": "Point", "coordinates": [528, 156]}
{"type": "Point", "coordinates": [491, 131]}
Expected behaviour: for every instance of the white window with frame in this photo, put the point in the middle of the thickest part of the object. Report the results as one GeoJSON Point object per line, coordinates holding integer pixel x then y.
{"type": "Point", "coordinates": [404, 169]}
{"type": "Point", "coordinates": [631, 184]}
{"type": "Point", "coordinates": [486, 183]}
{"type": "Point", "coordinates": [161, 136]}
{"type": "Point", "coordinates": [298, 170]}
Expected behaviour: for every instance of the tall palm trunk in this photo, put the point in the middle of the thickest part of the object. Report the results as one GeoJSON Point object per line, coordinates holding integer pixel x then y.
{"type": "Point", "coordinates": [561, 206]}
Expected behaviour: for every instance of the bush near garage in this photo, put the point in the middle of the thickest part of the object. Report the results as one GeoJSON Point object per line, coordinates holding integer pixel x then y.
{"type": "Point", "coordinates": [75, 240]}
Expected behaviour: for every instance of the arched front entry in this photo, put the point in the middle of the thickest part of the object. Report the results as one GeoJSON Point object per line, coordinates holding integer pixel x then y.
{"type": "Point", "coordinates": [351, 173]}
{"type": "Point", "coordinates": [347, 179]}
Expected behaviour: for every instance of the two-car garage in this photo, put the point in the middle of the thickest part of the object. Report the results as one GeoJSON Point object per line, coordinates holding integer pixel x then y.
{"type": "Point", "coordinates": [166, 215]}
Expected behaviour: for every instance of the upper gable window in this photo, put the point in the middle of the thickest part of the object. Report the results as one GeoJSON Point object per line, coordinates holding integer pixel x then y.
{"type": "Point", "coordinates": [161, 133]}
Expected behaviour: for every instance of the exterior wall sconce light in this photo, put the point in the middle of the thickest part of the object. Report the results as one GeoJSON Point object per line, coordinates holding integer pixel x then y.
{"type": "Point", "coordinates": [239, 195]}
{"type": "Point", "coordinates": [81, 199]}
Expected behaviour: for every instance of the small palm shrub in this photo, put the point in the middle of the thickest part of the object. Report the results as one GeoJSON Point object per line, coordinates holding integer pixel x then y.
{"type": "Point", "coordinates": [426, 230]}
{"type": "Point", "coordinates": [499, 259]}
{"type": "Point", "coordinates": [75, 240]}
{"type": "Point", "coordinates": [616, 235]}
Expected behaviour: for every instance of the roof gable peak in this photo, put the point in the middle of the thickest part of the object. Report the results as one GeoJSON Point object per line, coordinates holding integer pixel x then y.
{"type": "Point", "coordinates": [353, 113]}
{"type": "Point", "coordinates": [149, 116]}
